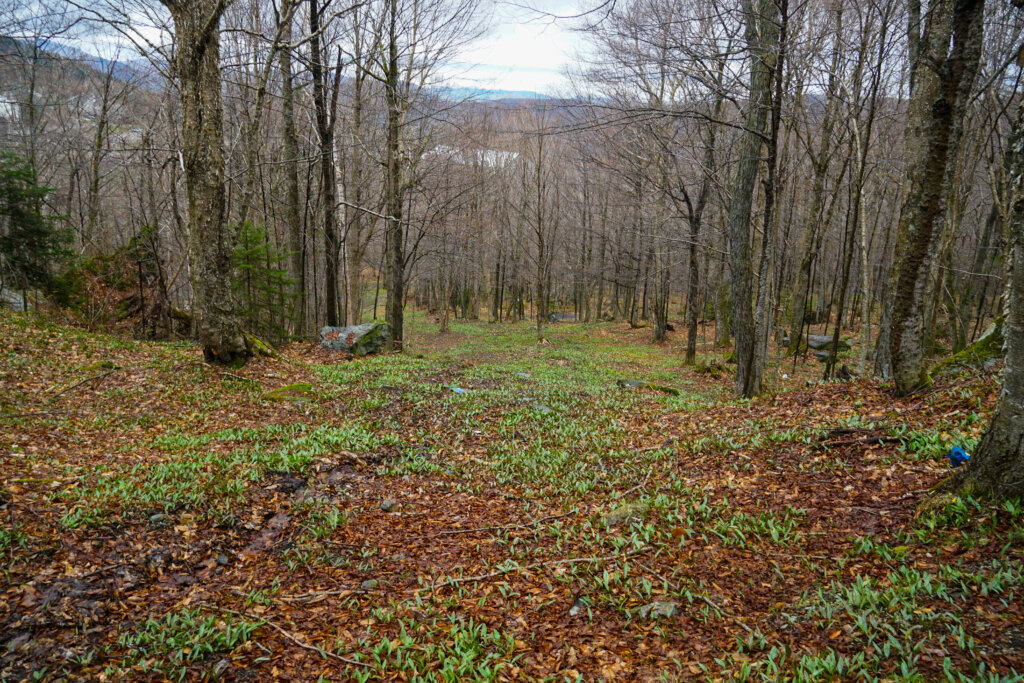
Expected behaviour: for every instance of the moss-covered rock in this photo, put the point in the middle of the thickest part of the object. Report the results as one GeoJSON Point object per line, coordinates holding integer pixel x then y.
{"type": "Point", "coordinates": [362, 340]}
{"type": "Point", "coordinates": [988, 347]}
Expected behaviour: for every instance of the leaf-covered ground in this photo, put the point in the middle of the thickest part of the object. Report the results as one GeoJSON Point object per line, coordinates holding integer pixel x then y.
{"type": "Point", "coordinates": [317, 517]}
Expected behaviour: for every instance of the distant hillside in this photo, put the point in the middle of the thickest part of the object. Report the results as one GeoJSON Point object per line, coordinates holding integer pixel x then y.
{"type": "Point", "coordinates": [486, 94]}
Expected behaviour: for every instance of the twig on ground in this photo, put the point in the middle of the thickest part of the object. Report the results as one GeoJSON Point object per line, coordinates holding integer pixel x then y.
{"type": "Point", "coordinates": [523, 568]}
{"type": "Point", "coordinates": [640, 485]}
{"type": "Point", "coordinates": [492, 528]}
{"type": "Point", "coordinates": [99, 571]}
{"type": "Point", "coordinates": [869, 440]}
{"type": "Point", "coordinates": [287, 634]}
{"type": "Point", "coordinates": [703, 598]}
{"type": "Point", "coordinates": [239, 377]}
{"type": "Point", "coordinates": [85, 381]}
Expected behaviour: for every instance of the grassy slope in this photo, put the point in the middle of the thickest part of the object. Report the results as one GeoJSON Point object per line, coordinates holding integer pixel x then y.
{"type": "Point", "coordinates": [169, 519]}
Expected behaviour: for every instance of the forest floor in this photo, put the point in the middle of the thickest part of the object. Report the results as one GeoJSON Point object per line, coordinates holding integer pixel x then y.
{"type": "Point", "coordinates": [165, 519]}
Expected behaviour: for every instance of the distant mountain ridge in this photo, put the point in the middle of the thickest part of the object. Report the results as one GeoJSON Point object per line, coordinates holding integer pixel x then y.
{"type": "Point", "coordinates": [489, 94]}
{"type": "Point", "coordinates": [140, 70]}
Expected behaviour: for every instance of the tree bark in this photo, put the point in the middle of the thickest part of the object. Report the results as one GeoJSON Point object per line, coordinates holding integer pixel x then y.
{"type": "Point", "coordinates": [211, 239]}
{"type": "Point", "coordinates": [760, 37]}
{"type": "Point", "coordinates": [943, 79]}
{"type": "Point", "coordinates": [328, 174]}
{"type": "Point", "coordinates": [997, 467]}
{"type": "Point", "coordinates": [394, 312]}
{"type": "Point", "coordinates": [291, 170]}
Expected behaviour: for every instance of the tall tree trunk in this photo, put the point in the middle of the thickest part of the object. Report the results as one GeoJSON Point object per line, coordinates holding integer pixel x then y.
{"type": "Point", "coordinates": [761, 37]}
{"type": "Point", "coordinates": [763, 310]}
{"type": "Point", "coordinates": [291, 171]}
{"type": "Point", "coordinates": [943, 79]}
{"type": "Point", "coordinates": [394, 313]}
{"type": "Point", "coordinates": [997, 467]}
{"type": "Point", "coordinates": [328, 179]}
{"type": "Point", "coordinates": [820, 163]}
{"type": "Point", "coordinates": [211, 240]}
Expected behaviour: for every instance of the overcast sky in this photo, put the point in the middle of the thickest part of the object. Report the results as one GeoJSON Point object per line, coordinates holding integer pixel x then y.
{"type": "Point", "coordinates": [528, 47]}
{"type": "Point", "coordinates": [524, 50]}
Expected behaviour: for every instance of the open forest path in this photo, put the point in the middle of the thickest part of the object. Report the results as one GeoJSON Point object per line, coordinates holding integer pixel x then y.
{"type": "Point", "coordinates": [484, 507]}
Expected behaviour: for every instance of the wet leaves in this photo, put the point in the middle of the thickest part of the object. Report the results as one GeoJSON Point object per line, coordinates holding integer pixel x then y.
{"type": "Point", "coordinates": [150, 506]}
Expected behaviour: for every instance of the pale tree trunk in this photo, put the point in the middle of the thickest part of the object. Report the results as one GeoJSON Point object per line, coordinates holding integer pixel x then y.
{"type": "Point", "coordinates": [761, 27]}
{"type": "Point", "coordinates": [291, 171]}
{"type": "Point", "coordinates": [91, 240]}
{"type": "Point", "coordinates": [328, 174]}
{"type": "Point", "coordinates": [211, 240]}
{"type": "Point", "coordinates": [943, 79]}
{"type": "Point", "coordinates": [358, 232]}
{"type": "Point", "coordinates": [820, 163]}
{"type": "Point", "coordinates": [997, 467]}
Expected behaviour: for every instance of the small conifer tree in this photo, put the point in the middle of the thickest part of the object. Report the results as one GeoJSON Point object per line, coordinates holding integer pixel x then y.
{"type": "Point", "coordinates": [32, 244]}
{"type": "Point", "coordinates": [261, 284]}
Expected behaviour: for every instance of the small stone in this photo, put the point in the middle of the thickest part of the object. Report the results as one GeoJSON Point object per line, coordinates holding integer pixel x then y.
{"type": "Point", "coordinates": [158, 518]}
{"type": "Point", "coordinates": [629, 512]}
{"type": "Point", "coordinates": [222, 559]}
{"type": "Point", "coordinates": [543, 409]}
{"type": "Point", "coordinates": [578, 606]}
{"type": "Point", "coordinates": [657, 609]}
{"type": "Point", "coordinates": [389, 505]}
{"type": "Point", "coordinates": [369, 585]}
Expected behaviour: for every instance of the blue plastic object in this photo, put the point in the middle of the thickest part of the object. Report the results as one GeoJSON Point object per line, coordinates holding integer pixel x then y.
{"type": "Point", "coordinates": [958, 456]}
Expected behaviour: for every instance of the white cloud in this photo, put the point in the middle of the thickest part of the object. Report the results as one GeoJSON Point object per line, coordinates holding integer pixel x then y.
{"type": "Point", "coordinates": [524, 50]}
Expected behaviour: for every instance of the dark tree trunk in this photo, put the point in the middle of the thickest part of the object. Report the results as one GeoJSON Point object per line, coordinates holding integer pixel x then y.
{"type": "Point", "coordinates": [761, 25]}
{"type": "Point", "coordinates": [395, 311]}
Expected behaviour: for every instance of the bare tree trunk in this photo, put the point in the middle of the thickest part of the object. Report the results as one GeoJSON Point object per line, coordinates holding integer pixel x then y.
{"type": "Point", "coordinates": [328, 180]}
{"type": "Point", "coordinates": [943, 79]}
{"type": "Point", "coordinates": [211, 239]}
{"type": "Point", "coordinates": [997, 467]}
{"type": "Point", "coordinates": [764, 307]}
{"type": "Point", "coordinates": [394, 313]}
{"type": "Point", "coordinates": [761, 38]}
{"type": "Point", "coordinates": [291, 171]}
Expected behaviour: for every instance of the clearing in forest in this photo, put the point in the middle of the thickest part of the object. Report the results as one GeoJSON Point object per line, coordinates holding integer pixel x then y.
{"type": "Point", "coordinates": [310, 518]}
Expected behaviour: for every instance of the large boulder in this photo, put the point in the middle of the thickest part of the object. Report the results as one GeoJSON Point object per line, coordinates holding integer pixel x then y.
{"type": "Point", "coordinates": [361, 340]}
{"type": "Point", "coordinates": [822, 341]}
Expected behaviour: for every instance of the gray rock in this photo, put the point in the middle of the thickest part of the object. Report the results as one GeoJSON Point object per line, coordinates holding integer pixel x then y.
{"type": "Point", "coordinates": [369, 585]}
{"type": "Point", "coordinates": [222, 559]}
{"type": "Point", "coordinates": [159, 519]}
{"type": "Point", "coordinates": [629, 383]}
{"type": "Point", "coordinates": [389, 505]}
{"type": "Point", "coordinates": [542, 408]}
{"type": "Point", "coordinates": [16, 302]}
{"type": "Point", "coordinates": [658, 609]}
{"type": "Point", "coordinates": [361, 340]}
{"type": "Point", "coordinates": [581, 604]}
{"type": "Point", "coordinates": [630, 512]}
{"type": "Point", "coordinates": [824, 341]}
